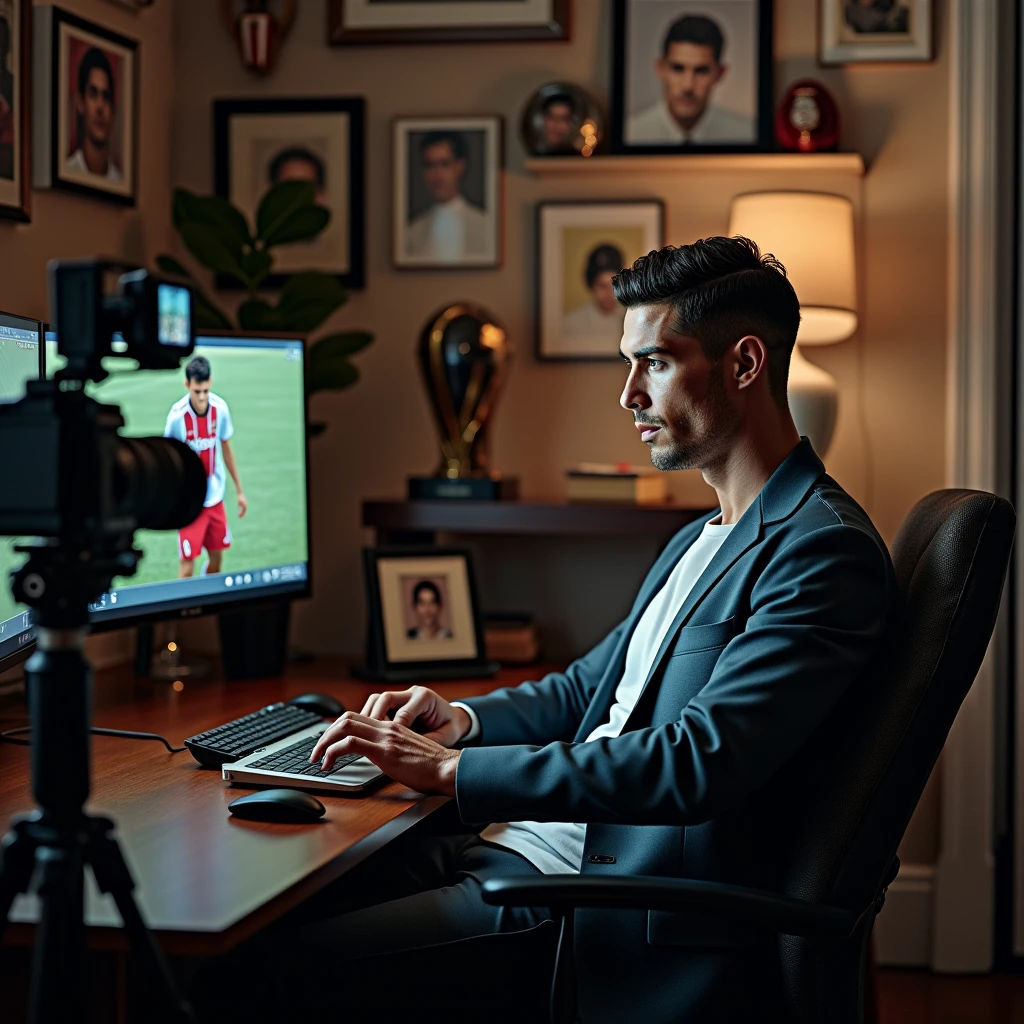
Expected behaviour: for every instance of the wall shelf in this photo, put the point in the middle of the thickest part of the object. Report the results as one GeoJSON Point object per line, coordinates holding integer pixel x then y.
{"type": "Point", "coordinates": [401, 521]}
{"type": "Point", "coordinates": [845, 164]}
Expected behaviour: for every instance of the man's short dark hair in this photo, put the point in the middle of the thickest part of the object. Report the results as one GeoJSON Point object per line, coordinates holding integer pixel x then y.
{"type": "Point", "coordinates": [558, 97]}
{"type": "Point", "coordinates": [426, 585]}
{"type": "Point", "coordinates": [300, 153]}
{"type": "Point", "coordinates": [94, 58]}
{"type": "Point", "coordinates": [721, 289]}
{"type": "Point", "coordinates": [698, 29]}
{"type": "Point", "coordinates": [454, 139]}
{"type": "Point", "coordinates": [602, 260]}
{"type": "Point", "coordinates": [197, 369]}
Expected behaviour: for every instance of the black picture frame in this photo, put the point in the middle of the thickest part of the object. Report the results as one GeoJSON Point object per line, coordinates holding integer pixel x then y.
{"type": "Point", "coordinates": [51, 169]}
{"type": "Point", "coordinates": [341, 32]}
{"type": "Point", "coordinates": [16, 204]}
{"type": "Point", "coordinates": [548, 282]}
{"type": "Point", "coordinates": [380, 665]}
{"type": "Point", "coordinates": [763, 78]}
{"type": "Point", "coordinates": [355, 108]}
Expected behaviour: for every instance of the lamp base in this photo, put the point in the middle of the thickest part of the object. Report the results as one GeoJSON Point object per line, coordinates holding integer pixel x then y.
{"type": "Point", "coordinates": [813, 401]}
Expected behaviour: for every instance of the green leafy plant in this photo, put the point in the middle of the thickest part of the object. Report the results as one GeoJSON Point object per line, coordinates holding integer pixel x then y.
{"type": "Point", "coordinates": [218, 235]}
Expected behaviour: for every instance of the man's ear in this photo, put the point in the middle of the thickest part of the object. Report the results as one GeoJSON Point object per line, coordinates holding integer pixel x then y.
{"type": "Point", "coordinates": [751, 356]}
{"type": "Point", "coordinates": [723, 70]}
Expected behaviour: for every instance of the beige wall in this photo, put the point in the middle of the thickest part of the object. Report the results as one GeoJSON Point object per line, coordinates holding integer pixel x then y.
{"type": "Point", "coordinates": [64, 225]}
{"type": "Point", "coordinates": [888, 448]}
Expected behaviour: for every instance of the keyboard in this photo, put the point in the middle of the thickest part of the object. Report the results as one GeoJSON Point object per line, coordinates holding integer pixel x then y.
{"type": "Point", "coordinates": [237, 739]}
{"type": "Point", "coordinates": [294, 760]}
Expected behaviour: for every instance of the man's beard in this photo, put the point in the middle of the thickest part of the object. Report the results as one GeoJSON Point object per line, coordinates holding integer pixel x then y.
{"type": "Point", "coordinates": [714, 424]}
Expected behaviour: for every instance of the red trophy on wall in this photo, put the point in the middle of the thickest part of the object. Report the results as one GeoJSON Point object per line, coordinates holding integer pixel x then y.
{"type": "Point", "coordinates": [807, 120]}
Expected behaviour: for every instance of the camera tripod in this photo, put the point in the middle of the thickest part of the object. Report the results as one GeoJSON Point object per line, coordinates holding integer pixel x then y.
{"type": "Point", "coordinates": [56, 842]}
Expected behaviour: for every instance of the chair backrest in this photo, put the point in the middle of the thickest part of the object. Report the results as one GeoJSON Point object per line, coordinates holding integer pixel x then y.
{"type": "Point", "coordinates": [877, 750]}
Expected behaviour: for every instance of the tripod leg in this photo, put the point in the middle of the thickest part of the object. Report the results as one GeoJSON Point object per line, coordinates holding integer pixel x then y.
{"type": "Point", "coordinates": [112, 875]}
{"type": "Point", "coordinates": [57, 967]}
{"type": "Point", "coordinates": [17, 865]}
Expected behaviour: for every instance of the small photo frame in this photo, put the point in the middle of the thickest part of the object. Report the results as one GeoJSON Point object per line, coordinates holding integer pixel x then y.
{"type": "Point", "coordinates": [447, 192]}
{"type": "Point", "coordinates": [356, 22]}
{"type": "Point", "coordinates": [424, 619]}
{"type": "Point", "coordinates": [15, 46]}
{"type": "Point", "coordinates": [86, 106]}
{"type": "Point", "coordinates": [858, 31]}
{"type": "Point", "coordinates": [581, 246]}
{"type": "Point", "coordinates": [260, 142]}
{"type": "Point", "coordinates": [692, 76]}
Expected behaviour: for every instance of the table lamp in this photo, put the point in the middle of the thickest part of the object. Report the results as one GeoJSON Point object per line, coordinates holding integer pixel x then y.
{"type": "Point", "coordinates": [811, 233]}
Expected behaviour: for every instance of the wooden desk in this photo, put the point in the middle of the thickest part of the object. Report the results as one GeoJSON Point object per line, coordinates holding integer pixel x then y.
{"type": "Point", "coordinates": [204, 879]}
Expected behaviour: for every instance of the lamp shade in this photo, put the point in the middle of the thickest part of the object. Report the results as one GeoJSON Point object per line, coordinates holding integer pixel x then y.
{"type": "Point", "coordinates": [811, 233]}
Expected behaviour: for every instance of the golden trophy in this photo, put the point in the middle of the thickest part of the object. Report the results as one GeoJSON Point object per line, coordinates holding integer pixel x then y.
{"type": "Point", "coordinates": [464, 355]}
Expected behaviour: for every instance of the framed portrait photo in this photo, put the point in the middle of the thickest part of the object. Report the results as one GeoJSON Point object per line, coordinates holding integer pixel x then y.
{"type": "Point", "coordinates": [86, 107]}
{"type": "Point", "coordinates": [423, 614]}
{"type": "Point", "coordinates": [855, 31]}
{"type": "Point", "coordinates": [260, 142]}
{"type": "Point", "coordinates": [692, 76]}
{"type": "Point", "coordinates": [580, 248]}
{"type": "Point", "coordinates": [15, 46]}
{"type": "Point", "coordinates": [354, 22]}
{"type": "Point", "coordinates": [447, 192]}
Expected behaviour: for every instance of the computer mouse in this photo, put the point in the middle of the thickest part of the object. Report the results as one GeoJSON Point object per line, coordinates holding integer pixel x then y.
{"type": "Point", "coordinates": [322, 703]}
{"type": "Point", "coordinates": [284, 805]}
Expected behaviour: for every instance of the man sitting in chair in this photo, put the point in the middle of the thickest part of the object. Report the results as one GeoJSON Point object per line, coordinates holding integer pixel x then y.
{"type": "Point", "coordinates": [677, 747]}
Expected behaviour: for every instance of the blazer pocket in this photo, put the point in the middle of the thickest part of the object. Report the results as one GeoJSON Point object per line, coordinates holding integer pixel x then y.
{"type": "Point", "coordinates": [692, 639]}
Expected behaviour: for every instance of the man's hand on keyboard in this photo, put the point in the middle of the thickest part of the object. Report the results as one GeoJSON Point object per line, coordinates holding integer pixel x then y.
{"type": "Point", "coordinates": [436, 718]}
{"type": "Point", "coordinates": [409, 758]}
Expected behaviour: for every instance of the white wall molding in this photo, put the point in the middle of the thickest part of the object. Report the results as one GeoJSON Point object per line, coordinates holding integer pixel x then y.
{"type": "Point", "coordinates": [903, 930]}
{"type": "Point", "coordinates": [964, 889]}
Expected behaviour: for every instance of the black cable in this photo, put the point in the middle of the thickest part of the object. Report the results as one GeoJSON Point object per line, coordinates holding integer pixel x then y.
{"type": "Point", "coordinates": [10, 736]}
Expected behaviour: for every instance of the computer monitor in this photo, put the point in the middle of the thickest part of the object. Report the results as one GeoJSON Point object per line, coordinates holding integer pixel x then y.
{"type": "Point", "coordinates": [20, 361]}
{"type": "Point", "coordinates": [249, 419]}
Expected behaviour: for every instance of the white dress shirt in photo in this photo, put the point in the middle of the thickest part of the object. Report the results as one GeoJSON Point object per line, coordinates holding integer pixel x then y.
{"type": "Point", "coordinates": [716, 125]}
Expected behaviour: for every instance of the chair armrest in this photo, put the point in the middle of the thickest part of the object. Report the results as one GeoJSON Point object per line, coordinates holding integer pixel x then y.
{"type": "Point", "coordinates": [778, 913]}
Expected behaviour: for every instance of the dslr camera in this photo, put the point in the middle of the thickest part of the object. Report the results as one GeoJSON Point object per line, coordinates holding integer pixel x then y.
{"type": "Point", "coordinates": [74, 480]}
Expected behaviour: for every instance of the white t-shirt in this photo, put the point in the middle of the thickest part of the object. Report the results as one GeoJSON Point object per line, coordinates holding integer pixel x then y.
{"type": "Point", "coordinates": [76, 162]}
{"type": "Point", "coordinates": [656, 125]}
{"type": "Point", "coordinates": [204, 435]}
{"type": "Point", "coordinates": [557, 847]}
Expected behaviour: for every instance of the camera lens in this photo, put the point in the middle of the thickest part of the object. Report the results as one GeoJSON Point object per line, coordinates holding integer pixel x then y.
{"type": "Point", "coordinates": [159, 482]}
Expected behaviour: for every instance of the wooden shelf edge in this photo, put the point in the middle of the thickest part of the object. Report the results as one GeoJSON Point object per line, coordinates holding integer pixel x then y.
{"type": "Point", "coordinates": [851, 164]}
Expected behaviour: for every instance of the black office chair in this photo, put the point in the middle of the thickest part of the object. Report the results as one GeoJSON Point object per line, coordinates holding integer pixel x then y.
{"type": "Point", "coordinates": [876, 753]}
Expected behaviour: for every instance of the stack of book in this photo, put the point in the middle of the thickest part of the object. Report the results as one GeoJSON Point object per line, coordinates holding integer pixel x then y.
{"type": "Point", "coordinates": [510, 638]}
{"type": "Point", "coordinates": [616, 482]}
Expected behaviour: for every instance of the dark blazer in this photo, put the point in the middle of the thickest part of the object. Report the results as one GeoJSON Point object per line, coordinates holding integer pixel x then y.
{"type": "Point", "coordinates": [793, 609]}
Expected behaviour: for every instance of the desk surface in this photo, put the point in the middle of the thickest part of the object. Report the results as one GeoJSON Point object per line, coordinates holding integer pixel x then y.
{"type": "Point", "coordinates": [206, 880]}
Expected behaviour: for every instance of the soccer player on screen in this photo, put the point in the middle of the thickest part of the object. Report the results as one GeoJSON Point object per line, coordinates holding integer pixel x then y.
{"type": "Point", "coordinates": [202, 420]}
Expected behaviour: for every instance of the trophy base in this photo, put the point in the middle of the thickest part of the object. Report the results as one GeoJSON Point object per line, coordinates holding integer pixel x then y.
{"type": "Point", "coordinates": [439, 488]}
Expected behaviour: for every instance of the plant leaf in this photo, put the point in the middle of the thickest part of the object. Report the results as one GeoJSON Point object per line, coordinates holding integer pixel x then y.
{"type": "Point", "coordinates": [281, 202]}
{"type": "Point", "coordinates": [257, 263]}
{"type": "Point", "coordinates": [169, 265]}
{"type": "Point", "coordinates": [215, 212]}
{"type": "Point", "coordinates": [338, 346]}
{"type": "Point", "coordinates": [332, 375]}
{"type": "Point", "coordinates": [207, 247]}
{"type": "Point", "coordinates": [301, 225]}
{"type": "Point", "coordinates": [308, 299]}
{"type": "Point", "coordinates": [255, 315]}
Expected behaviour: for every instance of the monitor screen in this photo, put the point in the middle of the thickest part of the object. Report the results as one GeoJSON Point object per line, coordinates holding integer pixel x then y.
{"type": "Point", "coordinates": [19, 362]}
{"type": "Point", "coordinates": [19, 355]}
{"type": "Point", "coordinates": [240, 404]}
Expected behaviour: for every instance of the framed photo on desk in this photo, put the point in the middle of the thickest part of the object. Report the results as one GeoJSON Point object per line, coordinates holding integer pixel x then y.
{"type": "Point", "coordinates": [424, 618]}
